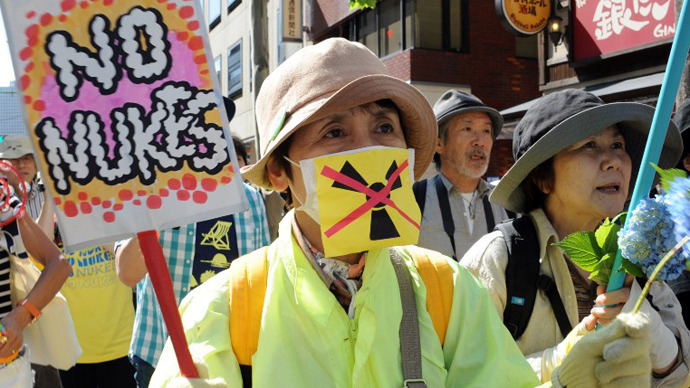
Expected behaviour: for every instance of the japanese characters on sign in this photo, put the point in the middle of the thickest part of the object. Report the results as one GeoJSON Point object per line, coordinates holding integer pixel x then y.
{"type": "Point", "coordinates": [608, 26]}
{"type": "Point", "coordinates": [292, 20]}
{"type": "Point", "coordinates": [123, 114]}
{"type": "Point", "coordinates": [523, 17]}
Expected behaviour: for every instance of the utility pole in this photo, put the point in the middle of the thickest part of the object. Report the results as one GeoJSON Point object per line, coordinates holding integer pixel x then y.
{"type": "Point", "coordinates": [259, 34]}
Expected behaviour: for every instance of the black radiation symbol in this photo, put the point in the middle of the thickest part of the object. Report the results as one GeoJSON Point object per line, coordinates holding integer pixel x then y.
{"type": "Point", "coordinates": [382, 226]}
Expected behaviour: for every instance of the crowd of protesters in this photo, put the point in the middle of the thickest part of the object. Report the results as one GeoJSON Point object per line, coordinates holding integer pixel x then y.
{"type": "Point", "coordinates": [271, 309]}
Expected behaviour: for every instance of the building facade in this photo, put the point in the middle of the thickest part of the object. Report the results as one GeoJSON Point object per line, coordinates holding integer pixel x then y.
{"type": "Point", "coordinates": [434, 45]}
{"type": "Point", "coordinates": [616, 50]}
{"type": "Point", "coordinates": [11, 111]}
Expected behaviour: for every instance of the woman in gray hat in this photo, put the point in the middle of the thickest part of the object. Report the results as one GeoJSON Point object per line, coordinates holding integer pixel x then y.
{"type": "Point", "coordinates": [576, 163]}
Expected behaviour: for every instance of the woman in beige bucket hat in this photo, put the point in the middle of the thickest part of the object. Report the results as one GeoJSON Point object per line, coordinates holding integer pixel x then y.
{"type": "Point", "coordinates": [576, 163]}
{"type": "Point", "coordinates": [367, 318]}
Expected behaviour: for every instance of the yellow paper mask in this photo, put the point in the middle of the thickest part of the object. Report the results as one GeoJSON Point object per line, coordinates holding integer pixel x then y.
{"type": "Point", "coordinates": [366, 200]}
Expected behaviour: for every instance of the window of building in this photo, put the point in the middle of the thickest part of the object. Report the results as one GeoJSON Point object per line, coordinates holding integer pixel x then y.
{"type": "Point", "coordinates": [430, 24]}
{"type": "Point", "coordinates": [390, 27]}
{"type": "Point", "coordinates": [526, 47]}
{"type": "Point", "coordinates": [213, 13]}
{"type": "Point", "coordinates": [366, 30]}
{"type": "Point", "coordinates": [235, 70]}
{"type": "Point", "coordinates": [217, 63]}
{"type": "Point", "coordinates": [441, 24]}
{"type": "Point", "coordinates": [232, 4]}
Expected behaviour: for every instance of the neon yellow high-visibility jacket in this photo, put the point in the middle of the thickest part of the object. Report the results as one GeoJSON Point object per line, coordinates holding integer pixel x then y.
{"type": "Point", "coordinates": [307, 339]}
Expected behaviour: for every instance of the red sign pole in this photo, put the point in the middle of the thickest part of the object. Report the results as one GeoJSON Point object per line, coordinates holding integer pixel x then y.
{"type": "Point", "coordinates": [162, 285]}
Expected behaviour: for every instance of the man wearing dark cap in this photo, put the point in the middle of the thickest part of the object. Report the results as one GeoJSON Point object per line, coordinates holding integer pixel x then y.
{"type": "Point", "coordinates": [455, 203]}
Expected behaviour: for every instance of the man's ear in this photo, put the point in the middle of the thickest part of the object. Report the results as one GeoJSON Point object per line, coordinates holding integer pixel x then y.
{"type": "Point", "coordinates": [276, 175]}
{"type": "Point", "coordinates": [439, 145]}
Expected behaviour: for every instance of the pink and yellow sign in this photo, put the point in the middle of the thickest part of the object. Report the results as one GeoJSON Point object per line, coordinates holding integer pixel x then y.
{"type": "Point", "coordinates": [122, 107]}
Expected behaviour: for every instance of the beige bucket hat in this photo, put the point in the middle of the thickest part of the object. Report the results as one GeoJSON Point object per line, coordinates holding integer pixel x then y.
{"type": "Point", "coordinates": [330, 77]}
{"type": "Point", "coordinates": [15, 146]}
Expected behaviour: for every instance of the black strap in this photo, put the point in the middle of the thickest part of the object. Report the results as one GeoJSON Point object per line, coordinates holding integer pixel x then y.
{"type": "Point", "coordinates": [523, 278]}
{"type": "Point", "coordinates": [546, 284]}
{"type": "Point", "coordinates": [246, 372]}
{"type": "Point", "coordinates": [419, 190]}
{"type": "Point", "coordinates": [446, 214]}
{"type": "Point", "coordinates": [488, 214]}
{"type": "Point", "coordinates": [410, 342]}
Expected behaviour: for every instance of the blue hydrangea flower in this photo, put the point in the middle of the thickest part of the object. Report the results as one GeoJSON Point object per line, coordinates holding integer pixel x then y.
{"type": "Point", "coordinates": [678, 202]}
{"type": "Point", "coordinates": [648, 236]}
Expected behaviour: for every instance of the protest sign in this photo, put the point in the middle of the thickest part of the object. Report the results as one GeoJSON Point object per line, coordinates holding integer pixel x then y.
{"type": "Point", "coordinates": [121, 105]}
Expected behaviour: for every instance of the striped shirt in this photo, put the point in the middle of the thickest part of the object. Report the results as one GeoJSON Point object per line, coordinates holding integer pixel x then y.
{"type": "Point", "coordinates": [150, 333]}
{"type": "Point", "coordinates": [10, 243]}
{"type": "Point", "coordinates": [35, 198]}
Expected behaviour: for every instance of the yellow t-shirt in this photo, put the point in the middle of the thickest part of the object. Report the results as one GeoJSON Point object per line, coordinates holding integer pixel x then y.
{"type": "Point", "coordinates": [101, 306]}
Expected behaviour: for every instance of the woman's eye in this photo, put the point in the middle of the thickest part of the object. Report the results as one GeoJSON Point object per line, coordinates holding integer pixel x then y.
{"type": "Point", "coordinates": [589, 144]}
{"type": "Point", "coordinates": [386, 128]}
{"type": "Point", "coordinates": [333, 133]}
{"type": "Point", "coordinates": [618, 145]}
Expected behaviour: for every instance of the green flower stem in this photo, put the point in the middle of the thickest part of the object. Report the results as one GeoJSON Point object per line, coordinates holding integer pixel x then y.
{"type": "Point", "coordinates": [657, 269]}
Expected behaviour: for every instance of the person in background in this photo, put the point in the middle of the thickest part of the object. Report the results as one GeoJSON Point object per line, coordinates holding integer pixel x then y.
{"type": "Point", "coordinates": [22, 237]}
{"type": "Point", "coordinates": [17, 150]}
{"type": "Point", "coordinates": [681, 286]}
{"type": "Point", "coordinates": [343, 320]}
{"type": "Point", "coordinates": [103, 315]}
{"type": "Point", "coordinates": [191, 261]}
{"type": "Point", "coordinates": [576, 163]}
{"type": "Point", "coordinates": [456, 209]}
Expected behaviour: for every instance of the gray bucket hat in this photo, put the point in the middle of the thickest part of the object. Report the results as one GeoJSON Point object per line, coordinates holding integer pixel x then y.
{"type": "Point", "coordinates": [455, 102]}
{"type": "Point", "coordinates": [561, 119]}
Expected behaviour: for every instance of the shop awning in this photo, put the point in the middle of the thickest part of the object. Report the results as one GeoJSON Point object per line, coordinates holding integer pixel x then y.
{"type": "Point", "coordinates": [603, 89]}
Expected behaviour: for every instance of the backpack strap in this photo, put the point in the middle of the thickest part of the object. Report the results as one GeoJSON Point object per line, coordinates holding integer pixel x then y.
{"type": "Point", "coordinates": [546, 284]}
{"type": "Point", "coordinates": [246, 295]}
{"type": "Point", "coordinates": [446, 214]}
{"type": "Point", "coordinates": [419, 190]}
{"type": "Point", "coordinates": [488, 214]}
{"type": "Point", "coordinates": [437, 276]}
{"type": "Point", "coordinates": [523, 278]}
{"type": "Point", "coordinates": [410, 342]}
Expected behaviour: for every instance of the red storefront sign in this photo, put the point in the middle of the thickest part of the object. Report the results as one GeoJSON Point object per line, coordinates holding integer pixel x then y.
{"type": "Point", "coordinates": [608, 26]}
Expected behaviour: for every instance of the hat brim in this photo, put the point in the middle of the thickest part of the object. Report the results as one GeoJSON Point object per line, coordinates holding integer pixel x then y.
{"type": "Point", "coordinates": [15, 153]}
{"type": "Point", "coordinates": [416, 115]}
{"type": "Point", "coordinates": [634, 121]}
{"type": "Point", "coordinates": [494, 115]}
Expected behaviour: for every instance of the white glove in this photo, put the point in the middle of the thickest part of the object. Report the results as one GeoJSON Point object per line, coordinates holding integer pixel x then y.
{"type": "Point", "coordinates": [553, 357]}
{"type": "Point", "coordinates": [665, 346]}
{"type": "Point", "coordinates": [615, 356]}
